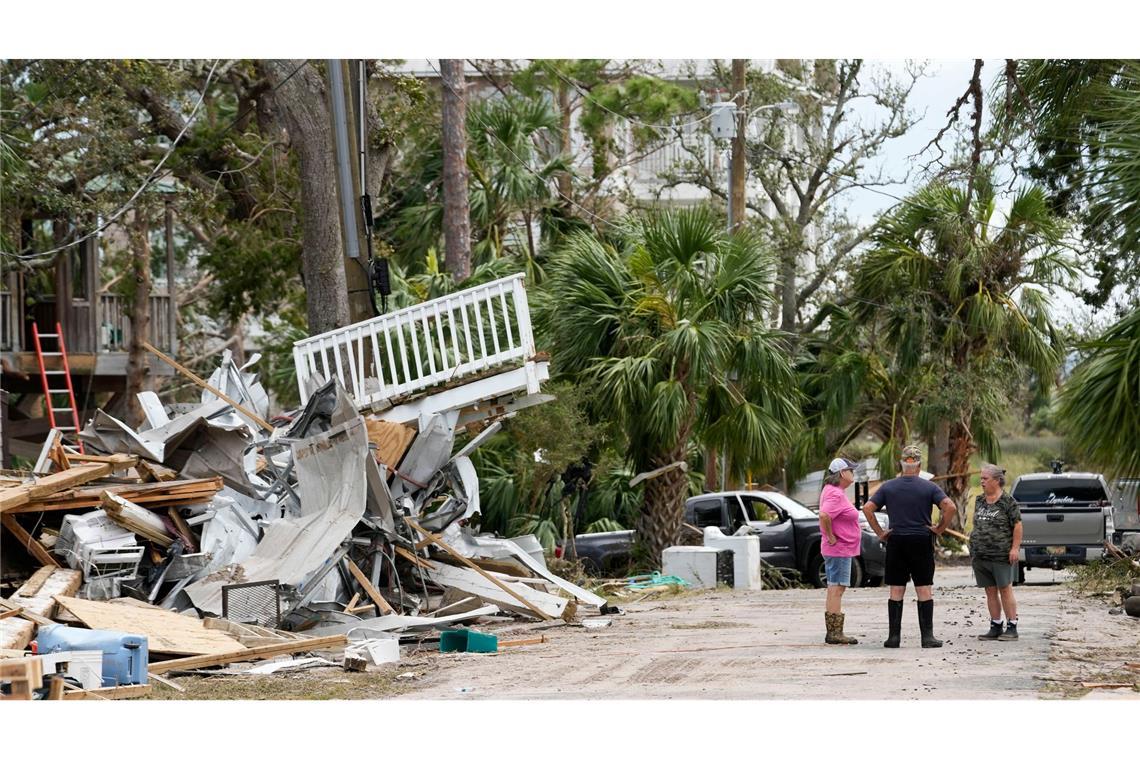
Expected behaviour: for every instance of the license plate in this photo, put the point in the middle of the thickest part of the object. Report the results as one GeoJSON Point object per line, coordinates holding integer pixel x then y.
{"type": "Point", "coordinates": [1055, 550]}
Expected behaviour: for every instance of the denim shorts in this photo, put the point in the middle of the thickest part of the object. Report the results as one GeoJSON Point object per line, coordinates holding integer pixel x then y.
{"type": "Point", "coordinates": [838, 570]}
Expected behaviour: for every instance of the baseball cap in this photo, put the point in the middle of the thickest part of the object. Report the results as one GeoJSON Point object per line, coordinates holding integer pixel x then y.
{"type": "Point", "coordinates": [911, 452]}
{"type": "Point", "coordinates": [839, 464]}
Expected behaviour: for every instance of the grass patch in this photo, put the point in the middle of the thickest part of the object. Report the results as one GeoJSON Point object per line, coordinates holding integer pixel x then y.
{"type": "Point", "coordinates": [316, 684]}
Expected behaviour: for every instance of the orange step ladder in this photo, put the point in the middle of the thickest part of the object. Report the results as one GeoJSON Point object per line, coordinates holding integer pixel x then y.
{"type": "Point", "coordinates": [52, 392]}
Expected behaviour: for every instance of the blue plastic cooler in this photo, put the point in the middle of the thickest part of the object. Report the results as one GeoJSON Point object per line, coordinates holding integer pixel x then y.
{"type": "Point", "coordinates": [125, 655]}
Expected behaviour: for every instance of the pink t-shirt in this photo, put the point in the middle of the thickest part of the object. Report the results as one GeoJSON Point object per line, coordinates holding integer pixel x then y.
{"type": "Point", "coordinates": [844, 523]}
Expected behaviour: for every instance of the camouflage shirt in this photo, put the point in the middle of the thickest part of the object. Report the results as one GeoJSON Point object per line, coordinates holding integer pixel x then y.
{"type": "Point", "coordinates": [992, 536]}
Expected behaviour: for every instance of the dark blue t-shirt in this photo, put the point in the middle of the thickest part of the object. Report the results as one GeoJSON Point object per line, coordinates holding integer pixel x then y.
{"type": "Point", "coordinates": [909, 500]}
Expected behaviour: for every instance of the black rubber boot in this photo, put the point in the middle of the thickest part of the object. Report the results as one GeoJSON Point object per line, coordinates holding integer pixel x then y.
{"type": "Point", "coordinates": [994, 631]}
{"type": "Point", "coordinates": [926, 624]}
{"type": "Point", "coordinates": [894, 619]}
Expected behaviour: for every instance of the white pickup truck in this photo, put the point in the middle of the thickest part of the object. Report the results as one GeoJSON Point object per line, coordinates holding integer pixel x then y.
{"type": "Point", "coordinates": [1067, 518]}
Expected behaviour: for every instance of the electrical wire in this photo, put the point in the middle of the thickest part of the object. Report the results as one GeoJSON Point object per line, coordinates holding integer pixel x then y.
{"type": "Point", "coordinates": [151, 178]}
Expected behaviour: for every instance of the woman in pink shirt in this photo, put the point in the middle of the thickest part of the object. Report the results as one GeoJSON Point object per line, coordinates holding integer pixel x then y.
{"type": "Point", "coordinates": [839, 543]}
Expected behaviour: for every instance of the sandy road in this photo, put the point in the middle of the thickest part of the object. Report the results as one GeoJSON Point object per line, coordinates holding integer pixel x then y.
{"type": "Point", "coordinates": [768, 645]}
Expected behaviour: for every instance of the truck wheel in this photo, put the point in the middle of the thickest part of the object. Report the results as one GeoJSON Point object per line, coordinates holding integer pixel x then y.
{"type": "Point", "coordinates": [1132, 606]}
{"type": "Point", "coordinates": [874, 581]}
{"type": "Point", "coordinates": [857, 574]}
{"type": "Point", "coordinates": [1020, 574]}
{"type": "Point", "coordinates": [816, 575]}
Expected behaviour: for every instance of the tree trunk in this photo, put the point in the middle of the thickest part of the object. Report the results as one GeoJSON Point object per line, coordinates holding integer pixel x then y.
{"type": "Point", "coordinates": [961, 446]}
{"type": "Point", "coordinates": [139, 315]}
{"type": "Point", "coordinates": [456, 213]}
{"type": "Point", "coordinates": [787, 281]}
{"type": "Point", "coordinates": [565, 181]}
{"type": "Point", "coordinates": [739, 169]}
{"type": "Point", "coordinates": [663, 506]}
{"type": "Point", "coordinates": [302, 103]}
{"type": "Point", "coordinates": [939, 445]}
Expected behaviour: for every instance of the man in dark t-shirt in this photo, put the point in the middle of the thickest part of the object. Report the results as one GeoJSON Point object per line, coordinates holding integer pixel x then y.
{"type": "Point", "coordinates": [908, 500]}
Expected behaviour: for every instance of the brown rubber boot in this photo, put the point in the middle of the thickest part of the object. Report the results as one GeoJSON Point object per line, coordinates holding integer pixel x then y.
{"type": "Point", "coordinates": [835, 634]}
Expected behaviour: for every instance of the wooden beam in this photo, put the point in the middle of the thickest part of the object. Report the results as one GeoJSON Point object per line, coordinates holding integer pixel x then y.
{"type": "Point", "coordinates": [440, 543]}
{"type": "Point", "coordinates": [373, 594]}
{"type": "Point", "coordinates": [33, 547]}
{"type": "Point", "coordinates": [110, 692]}
{"type": "Point", "coordinates": [11, 498]}
{"type": "Point", "coordinates": [202, 383]}
{"type": "Point", "coordinates": [415, 559]}
{"type": "Point", "coordinates": [523, 642]}
{"type": "Point", "coordinates": [256, 653]}
{"type": "Point", "coordinates": [32, 586]}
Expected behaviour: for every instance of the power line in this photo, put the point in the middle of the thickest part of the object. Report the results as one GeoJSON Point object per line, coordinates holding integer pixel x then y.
{"type": "Point", "coordinates": [236, 119]}
{"type": "Point", "coordinates": [152, 177]}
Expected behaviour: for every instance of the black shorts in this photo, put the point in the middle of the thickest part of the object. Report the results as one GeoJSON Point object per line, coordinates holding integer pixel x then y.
{"type": "Point", "coordinates": [909, 558]}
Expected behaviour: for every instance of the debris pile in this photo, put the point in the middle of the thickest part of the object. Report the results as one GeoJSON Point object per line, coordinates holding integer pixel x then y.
{"type": "Point", "coordinates": [217, 537]}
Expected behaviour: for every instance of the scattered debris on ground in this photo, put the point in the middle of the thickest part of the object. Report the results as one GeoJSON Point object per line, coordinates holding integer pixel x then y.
{"type": "Point", "coordinates": [209, 539]}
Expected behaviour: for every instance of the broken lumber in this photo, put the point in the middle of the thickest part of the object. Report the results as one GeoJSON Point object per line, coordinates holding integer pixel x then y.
{"type": "Point", "coordinates": [135, 519]}
{"type": "Point", "coordinates": [167, 632]}
{"type": "Point", "coordinates": [110, 692]}
{"type": "Point", "coordinates": [28, 542]}
{"type": "Point", "coordinates": [253, 636]}
{"type": "Point", "coordinates": [256, 653]}
{"type": "Point", "coordinates": [10, 498]}
{"type": "Point", "coordinates": [366, 585]}
{"type": "Point", "coordinates": [502, 586]}
{"type": "Point", "coordinates": [522, 642]}
{"type": "Point", "coordinates": [37, 607]}
{"type": "Point", "coordinates": [177, 493]}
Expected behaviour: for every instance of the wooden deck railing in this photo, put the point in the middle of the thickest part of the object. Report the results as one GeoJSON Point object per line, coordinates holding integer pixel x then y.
{"type": "Point", "coordinates": [428, 344]}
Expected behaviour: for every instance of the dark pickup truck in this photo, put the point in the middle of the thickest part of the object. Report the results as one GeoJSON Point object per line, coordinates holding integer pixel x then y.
{"type": "Point", "coordinates": [789, 536]}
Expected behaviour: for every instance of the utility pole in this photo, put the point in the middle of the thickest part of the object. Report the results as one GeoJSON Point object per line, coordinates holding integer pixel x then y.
{"type": "Point", "coordinates": [738, 171]}
{"type": "Point", "coordinates": [456, 212]}
{"type": "Point", "coordinates": [360, 306]}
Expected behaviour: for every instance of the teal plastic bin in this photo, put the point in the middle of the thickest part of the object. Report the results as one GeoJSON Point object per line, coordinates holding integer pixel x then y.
{"type": "Point", "coordinates": [468, 641]}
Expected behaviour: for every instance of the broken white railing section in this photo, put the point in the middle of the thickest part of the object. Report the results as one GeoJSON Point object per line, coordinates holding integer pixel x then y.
{"type": "Point", "coordinates": [439, 341]}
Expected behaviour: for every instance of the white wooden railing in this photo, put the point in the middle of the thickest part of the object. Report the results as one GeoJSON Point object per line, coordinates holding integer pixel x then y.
{"type": "Point", "coordinates": [428, 344]}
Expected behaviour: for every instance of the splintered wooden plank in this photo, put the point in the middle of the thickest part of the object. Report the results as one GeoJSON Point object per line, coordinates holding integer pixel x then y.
{"type": "Point", "coordinates": [173, 493]}
{"type": "Point", "coordinates": [392, 440]}
{"type": "Point", "coordinates": [167, 632]}
{"type": "Point", "coordinates": [373, 594]}
{"type": "Point", "coordinates": [257, 653]}
{"type": "Point", "coordinates": [110, 692]}
{"type": "Point", "coordinates": [28, 542]}
{"type": "Point", "coordinates": [35, 607]}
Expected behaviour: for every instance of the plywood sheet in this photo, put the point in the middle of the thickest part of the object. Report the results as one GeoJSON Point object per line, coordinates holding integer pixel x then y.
{"type": "Point", "coordinates": [167, 632]}
{"type": "Point", "coordinates": [392, 440]}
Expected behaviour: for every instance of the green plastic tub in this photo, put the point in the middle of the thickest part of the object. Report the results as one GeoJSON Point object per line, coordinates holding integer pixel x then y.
{"type": "Point", "coordinates": [468, 641]}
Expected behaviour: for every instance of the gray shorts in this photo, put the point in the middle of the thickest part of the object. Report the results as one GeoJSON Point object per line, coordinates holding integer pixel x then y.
{"type": "Point", "coordinates": [991, 572]}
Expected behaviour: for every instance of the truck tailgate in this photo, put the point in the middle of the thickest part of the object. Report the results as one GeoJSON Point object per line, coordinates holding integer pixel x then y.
{"type": "Point", "coordinates": [1061, 526]}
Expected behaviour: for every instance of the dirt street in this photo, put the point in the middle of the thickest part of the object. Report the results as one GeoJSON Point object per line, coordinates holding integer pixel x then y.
{"type": "Point", "coordinates": [769, 645]}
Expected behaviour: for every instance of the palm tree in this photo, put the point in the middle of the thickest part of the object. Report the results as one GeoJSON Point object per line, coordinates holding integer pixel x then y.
{"type": "Point", "coordinates": [514, 166]}
{"type": "Point", "coordinates": [950, 291]}
{"type": "Point", "coordinates": [1100, 403]}
{"type": "Point", "coordinates": [663, 324]}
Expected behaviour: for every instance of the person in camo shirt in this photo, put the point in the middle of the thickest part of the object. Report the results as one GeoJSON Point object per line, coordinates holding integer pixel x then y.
{"type": "Point", "coordinates": [994, 545]}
